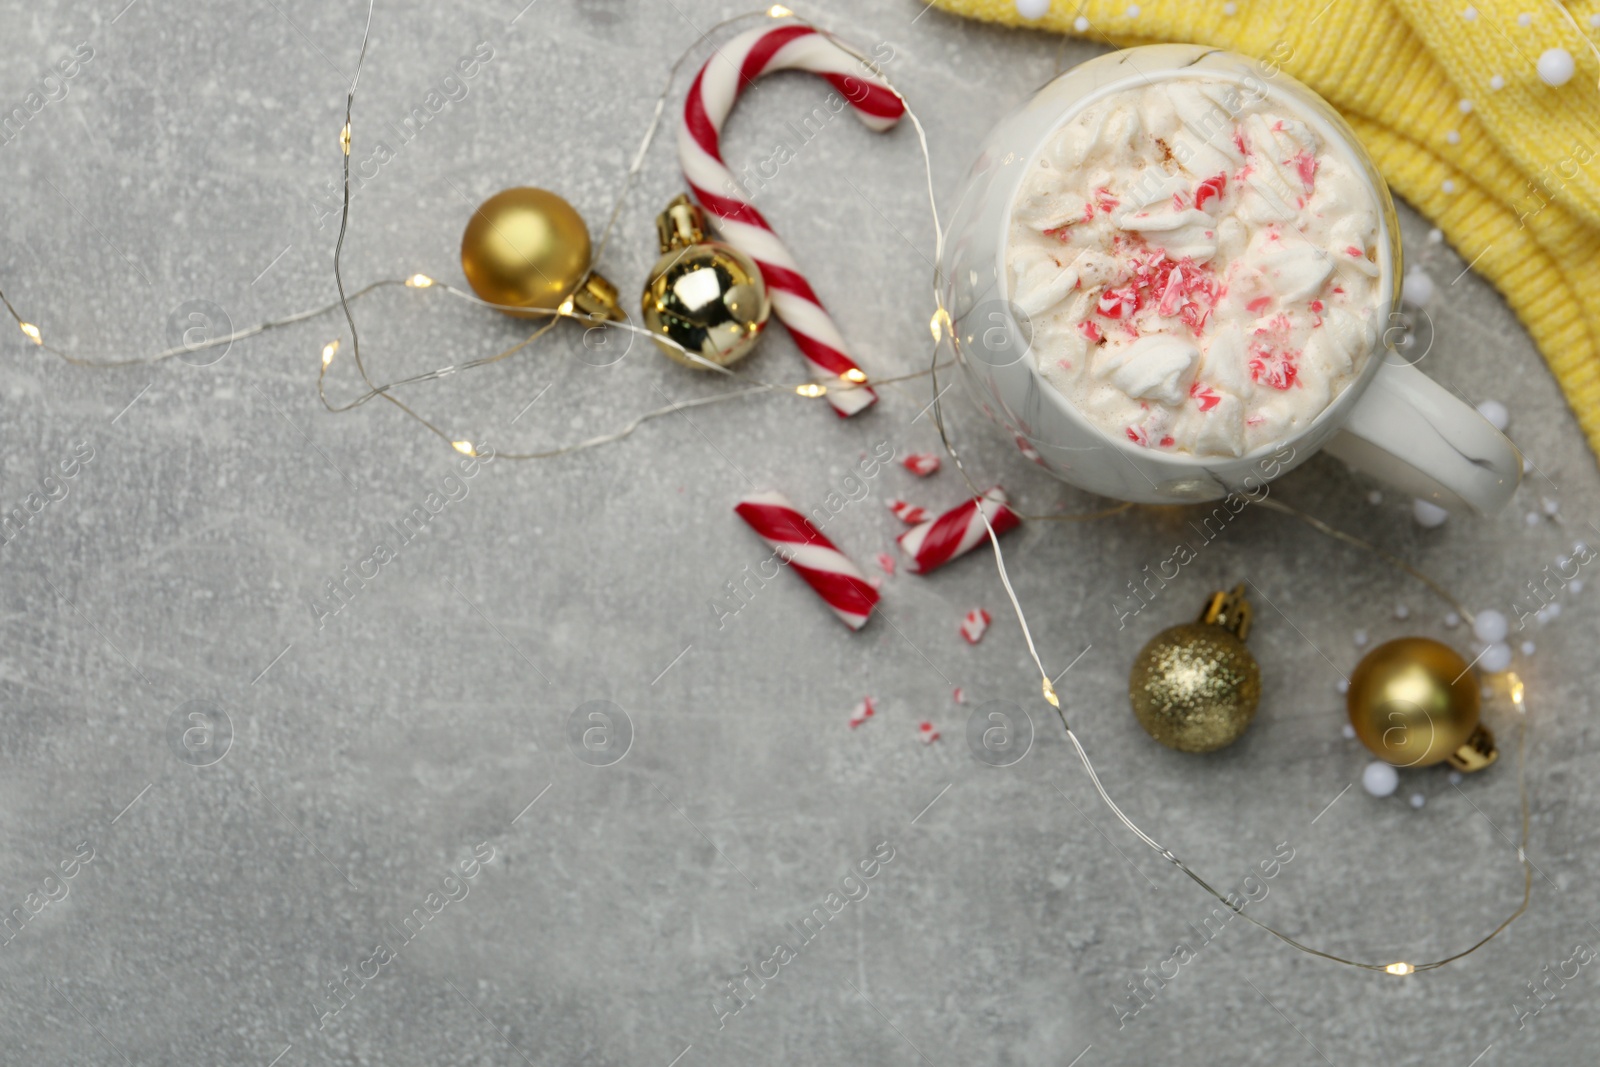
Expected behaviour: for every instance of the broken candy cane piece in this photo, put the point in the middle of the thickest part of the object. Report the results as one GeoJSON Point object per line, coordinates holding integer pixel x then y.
{"type": "Point", "coordinates": [885, 562]}
{"type": "Point", "coordinates": [909, 514]}
{"type": "Point", "coordinates": [922, 464]}
{"type": "Point", "coordinates": [1211, 187]}
{"type": "Point", "coordinates": [837, 580]}
{"type": "Point", "coordinates": [928, 734]}
{"type": "Point", "coordinates": [975, 625]}
{"type": "Point", "coordinates": [862, 713]}
{"type": "Point", "coordinates": [938, 541]}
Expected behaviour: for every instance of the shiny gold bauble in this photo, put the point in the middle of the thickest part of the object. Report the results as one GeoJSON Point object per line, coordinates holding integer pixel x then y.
{"type": "Point", "coordinates": [525, 248]}
{"type": "Point", "coordinates": [1195, 686]}
{"type": "Point", "coordinates": [706, 296]}
{"type": "Point", "coordinates": [1414, 702]}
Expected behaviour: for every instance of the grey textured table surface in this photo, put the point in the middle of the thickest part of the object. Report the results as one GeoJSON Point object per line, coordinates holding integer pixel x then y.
{"type": "Point", "coordinates": [370, 756]}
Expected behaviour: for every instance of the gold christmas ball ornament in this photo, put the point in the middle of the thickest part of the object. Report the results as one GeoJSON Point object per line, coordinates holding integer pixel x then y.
{"type": "Point", "coordinates": [1414, 702]}
{"type": "Point", "coordinates": [706, 296]}
{"type": "Point", "coordinates": [529, 248]}
{"type": "Point", "coordinates": [1195, 686]}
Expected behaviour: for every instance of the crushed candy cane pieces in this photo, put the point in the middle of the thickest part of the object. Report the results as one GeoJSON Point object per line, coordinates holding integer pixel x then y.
{"type": "Point", "coordinates": [975, 625]}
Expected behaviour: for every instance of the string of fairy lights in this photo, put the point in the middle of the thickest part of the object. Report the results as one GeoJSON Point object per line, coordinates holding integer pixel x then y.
{"type": "Point", "coordinates": [940, 326]}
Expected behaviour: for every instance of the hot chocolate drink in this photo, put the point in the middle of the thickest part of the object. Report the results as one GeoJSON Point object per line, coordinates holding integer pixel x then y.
{"type": "Point", "coordinates": [1197, 265]}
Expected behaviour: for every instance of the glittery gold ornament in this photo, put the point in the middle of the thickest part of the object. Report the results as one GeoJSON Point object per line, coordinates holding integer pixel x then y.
{"type": "Point", "coordinates": [529, 248]}
{"type": "Point", "coordinates": [1414, 702]}
{"type": "Point", "coordinates": [707, 296]}
{"type": "Point", "coordinates": [1195, 686]}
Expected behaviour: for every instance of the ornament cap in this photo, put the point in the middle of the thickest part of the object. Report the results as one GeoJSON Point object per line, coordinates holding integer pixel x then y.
{"type": "Point", "coordinates": [597, 298]}
{"type": "Point", "coordinates": [1477, 753]}
{"type": "Point", "coordinates": [1229, 610]}
{"type": "Point", "coordinates": [683, 224]}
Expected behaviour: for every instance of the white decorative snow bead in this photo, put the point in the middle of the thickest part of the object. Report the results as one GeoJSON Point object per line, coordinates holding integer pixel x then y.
{"type": "Point", "coordinates": [1453, 137]}
{"type": "Point", "coordinates": [1133, 11]}
{"type": "Point", "coordinates": [1556, 66]}
{"type": "Point", "coordinates": [1465, 106]}
{"type": "Point", "coordinates": [1435, 236]}
{"type": "Point", "coordinates": [1496, 413]}
{"type": "Point", "coordinates": [1489, 626]}
{"type": "Point", "coordinates": [1470, 14]}
{"type": "Point", "coordinates": [1380, 779]}
{"type": "Point", "coordinates": [1495, 658]}
{"type": "Point", "coordinates": [1455, 777]}
{"type": "Point", "coordinates": [1594, 20]}
{"type": "Point", "coordinates": [1342, 685]}
{"type": "Point", "coordinates": [1348, 731]}
{"type": "Point", "coordinates": [1527, 648]}
{"type": "Point", "coordinates": [1427, 513]}
{"type": "Point", "coordinates": [1418, 288]}
{"type": "Point", "coordinates": [1527, 463]}
{"type": "Point", "coordinates": [1452, 619]}
{"type": "Point", "coordinates": [1361, 638]}
{"type": "Point", "coordinates": [1524, 20]}
{"type": "Point", "coordinates": [1448, 185]}
{"type": "Point", "coordinates": [1417, 800]}
{"type": "Point", "coordinates": [1552, 610]}
{"type": "Point", "coordinates": [1551, 505]}
{"type": "Point", "coordinates": [1402, 612]}
{"type": "Point", "coordinates": [1576, 585]}
{"type": "Point", "coordinates": [1033, 9]}
{"type": "Point", "coordinates": [1080, 24]}
{"type": "Point", "coordinates": [1230, 9]}
{"type": "Point", "coordinates": [1532, 518]}
{"type": "Point", "coordinates": [1374, 496]}
{"type": "Point", "coordinates": [1497, 82]}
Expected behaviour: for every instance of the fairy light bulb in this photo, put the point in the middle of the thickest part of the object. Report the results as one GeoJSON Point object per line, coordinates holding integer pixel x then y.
{"type": "Point", "coordinates": [344, 138]}
{"type": "Point", "coordinates": [811, 389]}
{"type": "Point", "coordinates": [1049, 692]}
{"type": "Point", "coordinates": [854, 374]}
{"type": "Point", "coordinates": [1516, 688]}
{"type": "Point", "coordinates": [566, 306]}
{"type": "Point", "coordinates": [778, 11]}
{"type": "Point", "coordinates": [328, 350]}
{"type": "Point", "coordinates": [1400, 968]}
{"type": "Point", "coordinates": [464, 447]}
{"type": "Point", "coordinates": [419, 281]}
{"type": "Point", "coordinates": [31, 332]}
{"type": "Point", "coordinates": [933, 326]}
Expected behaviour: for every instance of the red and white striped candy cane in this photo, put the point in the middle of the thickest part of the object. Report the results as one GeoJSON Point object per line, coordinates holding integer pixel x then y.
{"type": "Point", "coordinates": [837, 580]}
{"type": "Point", "coordinates": [725, 75]}
{"type": "Point", "coordinates": [959, 530]}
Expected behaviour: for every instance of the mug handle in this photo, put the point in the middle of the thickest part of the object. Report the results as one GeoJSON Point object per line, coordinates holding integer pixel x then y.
{"type": "Point", "coordinates": [1416, 435]}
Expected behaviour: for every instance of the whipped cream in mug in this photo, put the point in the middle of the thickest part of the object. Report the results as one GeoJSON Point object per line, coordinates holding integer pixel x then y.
{"type": "Point", "coordinates": [1198, 266]}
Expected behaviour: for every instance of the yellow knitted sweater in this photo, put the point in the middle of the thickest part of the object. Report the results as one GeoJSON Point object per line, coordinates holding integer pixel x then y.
{"type": "Point", "coordinates": [1447, 98]}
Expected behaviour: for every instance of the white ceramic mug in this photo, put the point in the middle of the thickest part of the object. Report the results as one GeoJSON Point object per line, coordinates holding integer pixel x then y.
{"type": "Point", "coordinates": [1392, 420]}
